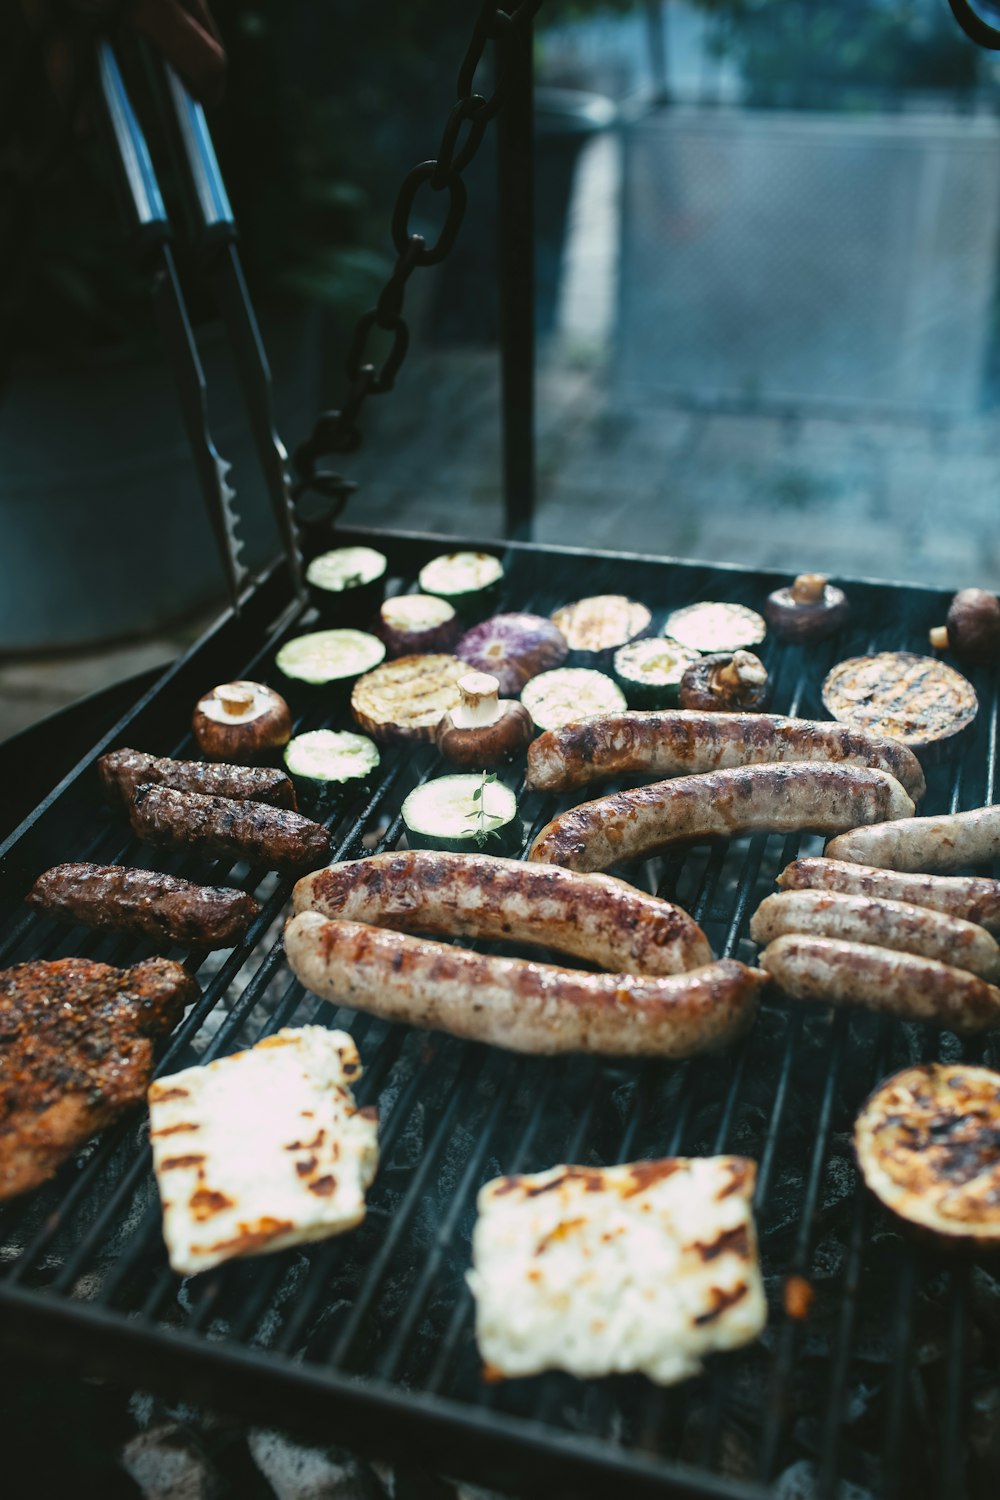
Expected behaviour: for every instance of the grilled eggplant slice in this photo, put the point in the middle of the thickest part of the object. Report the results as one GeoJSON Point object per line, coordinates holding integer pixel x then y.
{"type": "Point", "coordinates": [413, 623]}
{"type": "Point", "coordinates": [928, 1145]}
{"type": "Point", "coordinates": [406, 699]}
{"type": "Point", "coordinates": [911, 698]}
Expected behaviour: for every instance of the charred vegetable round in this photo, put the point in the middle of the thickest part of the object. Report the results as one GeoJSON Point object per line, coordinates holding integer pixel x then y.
{"type": "Point", "coordinates": [728, 682]}
{"type": "Point", "coordinates": [242, 722]}
{"type": "Point", "coordinates": [597, 626]}
{"type": "Point", "coordinates": [482, 731]}
{"type": "Point", "coordinates": [412, 623]}
{"type": "Point", "coordinates": [973, 628]}
{"type": "Point", "coordinates": [347, 583]}
{"type": "Point", "coordinates": [513, 649]}
{"type": "Point", "coordinates": [710, 627]}
{"type": "Point", "coordinates": [808, 609]}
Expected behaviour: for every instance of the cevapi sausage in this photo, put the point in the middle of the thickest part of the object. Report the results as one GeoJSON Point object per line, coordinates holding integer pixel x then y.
{"type": "Point", "coordinates": [884, 924]}
{"type": "Point", "coordinates": [605, 921]}
{"type": "Point", "coordinates": [681, 743]}
{"type": "Point", "coordinates": [122, 771]}
{"type": "Point", "coordinates": [972, 897]}
{"type": "Point", "coordinates": [145, 903]}
{"type": "Point", "coordinates": [901, 984]}
{"type": "Point", "coordinates": [515, 1003]}
{"type": "Point", "coordinates": [218, 826]}
{"type": "Point", "coordinates": [943, 843]}
{"type": "Point", "coordinates": [753, 799]}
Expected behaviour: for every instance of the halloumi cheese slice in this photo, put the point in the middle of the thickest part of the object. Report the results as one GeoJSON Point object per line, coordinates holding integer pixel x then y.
{"type": "Point", "coordinates": [262, 1150]}
{"type": "Point", "coordinates": [648, 1266]}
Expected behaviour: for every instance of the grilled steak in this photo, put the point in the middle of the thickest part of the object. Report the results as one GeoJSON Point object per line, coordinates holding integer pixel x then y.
{"type": "Point", "coordinates": [75, 1051]}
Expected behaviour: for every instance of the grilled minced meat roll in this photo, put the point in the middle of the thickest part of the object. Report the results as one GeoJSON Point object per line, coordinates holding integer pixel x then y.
{"type": "Point", "coordinates": [928, 1145]}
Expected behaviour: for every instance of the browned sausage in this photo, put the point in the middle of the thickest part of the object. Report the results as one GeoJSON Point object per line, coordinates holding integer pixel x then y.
{"type": "Point", "coordinates": [146, 903]}
{"type": "Point", "coordinates": [121, 771]}
{"type": "Point", "coordinates": [676, 742]}
{"type": "Point", "coordinates": [517, 1004]}
{"type": "Point", "coordinates": [605, 921]}
{"type": "Point", "coordinates": [972, 897]}
{"type": "Point", "coordinates": [942, 843]}
{"type": "Point", "coordinates": [885, 924]}
{"type": "Point", "coordinates": [218, 826]}
{"type": "Point", "coordinates": [903, 984]}
{"type": "Point", "coordinates": [780, 799]}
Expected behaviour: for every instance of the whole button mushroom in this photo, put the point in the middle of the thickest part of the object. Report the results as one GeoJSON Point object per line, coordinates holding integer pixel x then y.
{"type": "Point", "coordinates": [973, 628]}
{"type": "Point", "coordinates": [808, 609]}
{"type": "Point", "coordinates": [242, 722]}
{"type": "Point", "coordinates": [481, 731]}
{"type": "Point", "coordinates": [728, 682]}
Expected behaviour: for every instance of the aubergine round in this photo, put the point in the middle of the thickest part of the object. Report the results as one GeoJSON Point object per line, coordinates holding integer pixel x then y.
{"type": "Point", "coordinates": [411, 624]}
{"type": "Point", "coordinates": [513, 648]}
{"type": "Point", "coordinates": [596, 627]}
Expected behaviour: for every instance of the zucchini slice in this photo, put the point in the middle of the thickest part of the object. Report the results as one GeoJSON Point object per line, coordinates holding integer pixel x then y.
{"type": "Point", "coordinates": [327, 763]}
{"type": "Point", "coordinates": [468, 580]}
{"type": "Point", "coordinates": [571, 693]}
{"type": "Point", "coordinates": [463, 814]}
{"type": "Point", "coordinates": [597, 626]}
{"type": "Point", "coordinates": [329, 657]}
{"type": "Point", "coordinates": [347, 583]}
{"type": "Point", "coordinates": [649, 672]}
{"type": "Point", "coordinates": [406, 699]}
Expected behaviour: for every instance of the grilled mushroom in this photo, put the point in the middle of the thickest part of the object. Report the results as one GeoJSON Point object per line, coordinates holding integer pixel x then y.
{"type": "Point", "coordinates": [241, 722]}
{"type": "Point", "coordinates": [728, 682]}
{"type": "Point", "coordinates": [807, 609]}
{"type": "Point", "coordinates": [481, 731]}
{"type": "Point", "coordinates": [973, 628]}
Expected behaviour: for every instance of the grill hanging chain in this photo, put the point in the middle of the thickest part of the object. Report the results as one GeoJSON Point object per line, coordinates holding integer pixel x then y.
{"type": "Point", "coordinates": [338, 431]}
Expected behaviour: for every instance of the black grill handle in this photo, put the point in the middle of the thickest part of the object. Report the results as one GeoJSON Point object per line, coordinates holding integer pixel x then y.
{"type": "Point", "coordinates": [144, 199]}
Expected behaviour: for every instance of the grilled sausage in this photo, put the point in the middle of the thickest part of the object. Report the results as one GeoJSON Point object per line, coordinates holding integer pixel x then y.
{"type": "Point", "coordinates": [969, 896]}
{"type": "Point", "coordinates": [605, 921]}
{"type": "Point", "coordinates": [781, 799]}
{"type": "Point", "coordinates": [679, 743]}
{"type": "Point", "coordinates": [886, 924]}
{"type": "Point", "coordinates": [943, 843]}
{"type": "Point", "coordinates": [122, 771]}
{"type": "Point", "coordinates": [145, 903]}
{"type": "Point", "coordinates": [902, 984]}
{"type": "Point", "coordinates": [517, 1004]}
{"type": "Point", "coordinates": [269, 836]}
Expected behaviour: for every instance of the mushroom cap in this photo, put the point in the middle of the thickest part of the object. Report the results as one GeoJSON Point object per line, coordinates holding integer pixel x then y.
{"type": "Point", "coordinates": [796, 619]}
{"type": "Point", "coordinates": [974, 625]}
{"type": "Point", "coordinates": [701, 688]}
{"type": "Point", "coordinates": [262, 724]}
{"type": "Point", "coordinates": [490, 744]}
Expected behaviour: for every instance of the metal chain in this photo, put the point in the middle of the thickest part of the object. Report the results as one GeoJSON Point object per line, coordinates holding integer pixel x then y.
{"type": "Point", "coordinates": [338, 431]}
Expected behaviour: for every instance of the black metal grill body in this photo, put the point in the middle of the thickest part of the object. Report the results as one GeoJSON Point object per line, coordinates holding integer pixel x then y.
{"type": "Point", "coordinates": [891, 1383]}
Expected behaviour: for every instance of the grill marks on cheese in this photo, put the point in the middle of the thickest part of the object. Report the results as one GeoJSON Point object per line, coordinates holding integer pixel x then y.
{"type": "Point", "coordinates": [648, 1266]}
{"type": "Point", "coordinates": [272, 1152]}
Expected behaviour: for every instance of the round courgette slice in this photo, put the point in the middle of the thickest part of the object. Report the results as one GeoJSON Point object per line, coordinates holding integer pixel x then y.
{"type": "Point", "coordinates": [347, 583]}
{"type": "Point", "coordinates": [463, 814]}
{"type": "Point", "coordinates": [649, 672]}
{"type": "Point", "coordinates": [327, 764]}
{"type": "Point", "coordinates": [469, 581]}
{"type": "Point", "coordinates": [571, 693]}
{"type": "Point", "coordinates": [326, 658]}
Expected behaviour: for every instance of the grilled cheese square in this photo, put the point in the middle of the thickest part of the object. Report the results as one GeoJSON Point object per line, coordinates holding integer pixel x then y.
{"type": "Point", "coordinates": [649, 1266]}
{"type": "Point", "coordinates": [262, 1150]}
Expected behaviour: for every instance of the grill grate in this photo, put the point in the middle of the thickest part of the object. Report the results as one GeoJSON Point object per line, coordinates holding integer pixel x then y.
{"type": "Point", "coordinates": [889, 1386]}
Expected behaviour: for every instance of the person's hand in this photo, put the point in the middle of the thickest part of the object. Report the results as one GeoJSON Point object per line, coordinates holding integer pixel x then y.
{"type": "Point", "coordinates": [182, 30]}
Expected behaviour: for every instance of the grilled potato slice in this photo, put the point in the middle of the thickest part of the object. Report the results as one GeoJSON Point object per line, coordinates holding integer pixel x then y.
{"type": "Point", "coordinates": [928, 1145]}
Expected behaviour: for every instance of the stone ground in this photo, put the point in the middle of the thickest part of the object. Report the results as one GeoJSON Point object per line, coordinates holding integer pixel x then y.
{"type": "Point", "coordinates": [906, 500]}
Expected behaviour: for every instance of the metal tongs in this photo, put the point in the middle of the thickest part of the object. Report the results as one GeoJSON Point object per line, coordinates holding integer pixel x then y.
{"type": "Point", "coordinates": [154, 238]}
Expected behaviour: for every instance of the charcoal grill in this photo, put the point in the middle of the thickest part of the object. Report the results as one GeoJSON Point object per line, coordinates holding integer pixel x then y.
{"type": "Point", "coordinates": [891, 1384]}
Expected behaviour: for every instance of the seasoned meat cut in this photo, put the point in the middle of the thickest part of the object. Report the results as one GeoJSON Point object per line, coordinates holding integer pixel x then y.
{"type": "Point", "coordinates": [75, 1051]}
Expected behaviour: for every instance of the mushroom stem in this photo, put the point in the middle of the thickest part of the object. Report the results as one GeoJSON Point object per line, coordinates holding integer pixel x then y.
{"type": "Point", "coordinates": [809, 588]}
{"type": "Point", "coordinates": [235, 698]}
{"type": "Point", "coordinates": [939, 637]}
{"type": "Point", "coordinates": [745, 670]}
{"type": "Point", "coordinates": [480, 705]}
